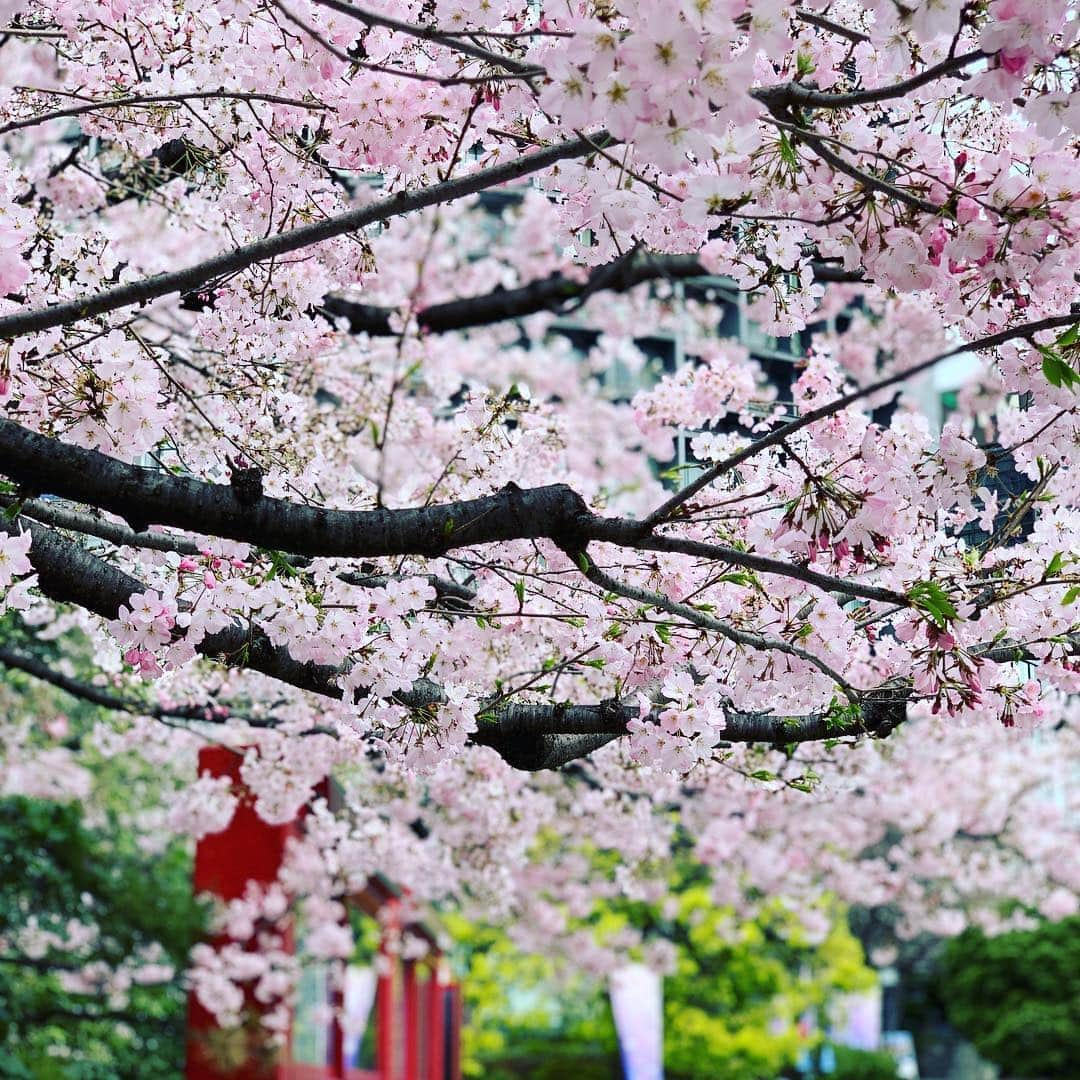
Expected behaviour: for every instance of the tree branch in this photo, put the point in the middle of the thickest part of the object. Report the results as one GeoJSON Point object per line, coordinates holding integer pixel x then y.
{"type": "Point", "coordinates": [552, 293]}
{"type": "Point", "coordinates": [62, 517]}
{"type": "Point", "coordinates": [811, 18]}
{"type": "Point", "coordinates": [666, 510]}
{"type": "Point", "coordinates": [193, 277]}
{"type": "Point", "coordinates": [445, 588]}
{"type": "Point", "coordinates": [842, 165]}
{"type": "Point", "coordinates": [796, 95]}
{"type": "Point", "coordinates": [692, 615]}
{"type": "Point", "coordinates": [750, 561]}
{"type": "Point", "coordinates": [143, 496]}
{"type": "Point", "coordinates": [425, 33]}
{"type": "Point", "coordinates": [32, 665]}
{"type": "Point", "coordinates": [159, 99]}
{"type": "Point", "coordinates": [546, 294]}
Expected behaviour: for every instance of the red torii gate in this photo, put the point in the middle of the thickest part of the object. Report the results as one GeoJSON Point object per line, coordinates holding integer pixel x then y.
{"type": "Point", "coordinates": [417, 1010]}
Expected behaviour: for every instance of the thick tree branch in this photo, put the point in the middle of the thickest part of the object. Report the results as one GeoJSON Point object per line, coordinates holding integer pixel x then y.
{"type": "Point", "coordinates": [143, 496]}
{"type": "Point", "coordinates": [70, 574]}
{"type": "Point", "coordinates": [535, 752]}
{"type": "Point", "coordinates": [547, 294]}
{"type": "Point", "coordinates": [535, 736]}
{"type": "Point", "coordinates": [61, 517]}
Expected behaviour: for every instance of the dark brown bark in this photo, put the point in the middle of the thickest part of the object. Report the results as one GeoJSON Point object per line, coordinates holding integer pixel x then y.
{"type": "Point", "coordinates": [150, 496]}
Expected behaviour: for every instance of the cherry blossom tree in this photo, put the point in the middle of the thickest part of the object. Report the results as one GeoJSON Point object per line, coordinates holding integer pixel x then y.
{"type": "Point", "coordinates": [294, 461]}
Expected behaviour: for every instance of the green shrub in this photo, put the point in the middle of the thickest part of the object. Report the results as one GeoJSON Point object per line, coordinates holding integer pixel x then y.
{"type": "Point", "coordinates": [852, 1064]}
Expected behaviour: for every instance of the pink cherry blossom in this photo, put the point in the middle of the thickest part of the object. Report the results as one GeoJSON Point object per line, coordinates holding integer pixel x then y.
{"type": "Point", "coordinates": [534, 433]}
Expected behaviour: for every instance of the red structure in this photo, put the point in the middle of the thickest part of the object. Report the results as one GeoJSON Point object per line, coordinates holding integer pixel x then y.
{"type": "Point", "coordinates": [414, 1020]}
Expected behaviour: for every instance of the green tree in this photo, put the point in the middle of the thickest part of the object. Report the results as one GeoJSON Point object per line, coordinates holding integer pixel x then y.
{"type": "Point", "coordinates": [95, 863]}
{"type": "Point", "coordinates": [55, 868]}
{"type": "Point", "coordinates": [1017, 997]}
{"type": "Point", "coordinates": [739, 988]}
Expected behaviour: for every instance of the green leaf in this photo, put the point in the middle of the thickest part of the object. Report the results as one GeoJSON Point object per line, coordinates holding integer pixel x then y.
{"type": "Point", "coordinates": [787, 152]}
{"type": "Point", "coordinates": [279, 564]}
{"type": "Point", "coordinates": [1069, 337]}
{"type": "Point", "coordinates": [1070, 596]}
{"type": "Point", "coordinates": [663, 632]}
{"type": "Point", "coordinates": [762, 774]}
{"type": "Point", "coordinates": [930, 597]}
{"type": "Point", "coordinates": [676, 471]}
{"type": "Point", "coordinates": [1058, 371]}
{"type": "Point", "coordinates": [1055, 564]}
{"type": "Point", "coordinates": [739, 578]}
{"type": "Point", "coordinates": [519, 589]}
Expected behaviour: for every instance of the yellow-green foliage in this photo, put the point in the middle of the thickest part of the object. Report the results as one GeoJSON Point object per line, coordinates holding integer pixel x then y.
{"type": "Point", "coordinates": [515, 998]}
{"type": "Point", "coordinates": [740, 988]}
{"type": "Point", "coordinates": [731, 1006]}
